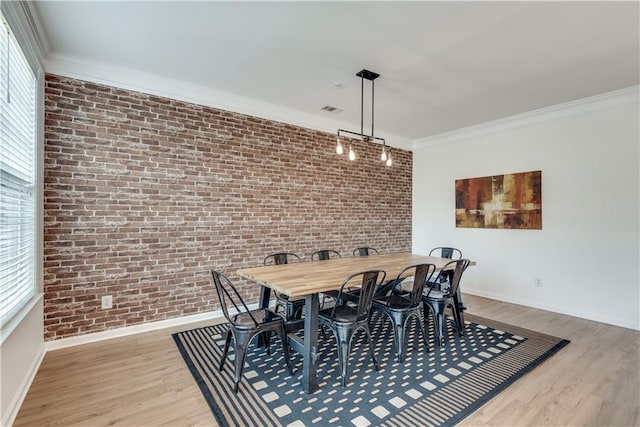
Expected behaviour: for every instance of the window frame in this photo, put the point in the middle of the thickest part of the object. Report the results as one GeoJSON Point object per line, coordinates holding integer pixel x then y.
{"type": "Point", "coordinates": [15, 16]}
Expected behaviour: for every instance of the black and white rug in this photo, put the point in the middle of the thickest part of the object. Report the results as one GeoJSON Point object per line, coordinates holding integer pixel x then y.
{"type": "Point", "coordinates": [437, 388]}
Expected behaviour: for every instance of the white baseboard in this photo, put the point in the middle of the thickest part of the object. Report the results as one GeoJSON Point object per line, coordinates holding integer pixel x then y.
{"type": "Point", "coordinates": [14, 407]}
{"type": "Point", "coordinates": [131, 330]}
{"type": "Point", "coordinates": [560, 310]}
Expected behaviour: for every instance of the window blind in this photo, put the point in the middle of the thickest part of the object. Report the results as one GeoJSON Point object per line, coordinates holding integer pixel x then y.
{"type": "Point", "coordinates": [17, 176]}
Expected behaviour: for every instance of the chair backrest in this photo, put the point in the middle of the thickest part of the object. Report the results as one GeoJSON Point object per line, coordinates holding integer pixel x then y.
{"type": "Point", "coordinates": [454, 270]}
{"type": "Point", "coordinates": [421, 274]}
{"type": "Point", "coordinates": [461, 266]}
{"type": "Point", "coordinates": [364, 251]}
{"type": "Point", "coordinates": [446, 252]}
{"type": "Point", "coordinates": [325, 254]}
{"type": "Point", "coordinates": [228, 295]}
{"type": "Point", "coordinates": [281, 258]}
{"type": "Point", "coordinates": [369, 281]}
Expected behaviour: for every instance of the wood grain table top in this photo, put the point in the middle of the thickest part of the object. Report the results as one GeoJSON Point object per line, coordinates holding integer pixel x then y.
{"type": "Point", "coordinates": [305, 278]}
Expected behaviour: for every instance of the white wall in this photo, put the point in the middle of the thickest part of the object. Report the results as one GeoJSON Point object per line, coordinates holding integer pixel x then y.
{"type": "Point", "coordinates": [22, 338]}
{"type": "Point", "coordinates": [587, 252]}
{"type": "Point", "coordinates": [20, 356]}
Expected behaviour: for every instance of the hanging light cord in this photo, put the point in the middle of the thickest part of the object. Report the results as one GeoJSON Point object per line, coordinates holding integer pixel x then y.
{"type": "Point", "coordinates": [361, 104]}
{"type": "Point", "coordinates": [8, 64]}
{"type": "Point", "coordinates": [373, 82]}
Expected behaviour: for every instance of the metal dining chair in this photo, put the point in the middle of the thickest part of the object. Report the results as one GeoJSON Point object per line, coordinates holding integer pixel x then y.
{"type": "Point", "coordinates": [325, 254]}
{"type": "Point", "coordinates": [451, 253]}
{"type": "Point", "coordinates": [365, 251]}
{"type": "Point", "coordinates": [436, 300]}
{"type": "Point", "coordinates": [402, 305]}
{"type": "Point", "coordinates": [345, 320]}
{"type": "Point", "coordinates": [292, 308]}
{"type": "Point", "coordinates": [245, 324]}
{"type": "Point", "coordinates": [446, 252]}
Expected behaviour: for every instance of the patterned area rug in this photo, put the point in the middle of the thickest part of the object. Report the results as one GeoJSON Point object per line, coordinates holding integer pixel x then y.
{"type": "Point", "coordinates": [429, 389]}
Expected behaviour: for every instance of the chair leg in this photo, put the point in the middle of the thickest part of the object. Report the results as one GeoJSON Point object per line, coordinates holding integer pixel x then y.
{"type": "Point", "coordinates": [226, 349]}
{"type": "Point", "coordinates": [457, 319]}
{"type": "Point", "coordinates": [323, 331]}
{"type": "Point", "coordinates": [343, 341]}
{"type": "Point", "coordinates": [266, 339]}
{"type": "Point", "coordinates": [423, 330]}
{"type": "Point", "coordinates": [324, 299]}
{"type": "Point", "coordinates": [279, 307]}
{"type": "Point", "coordinates": [298, 313]}
{"type": "Point", "coordinates": [398, 331]}
{"type": "Point", "coordinates": [241, 344]}
{"type": "Point", "coordinates": [426, 312]}
{"type": "Point", "coordinates": [373, 356]}
{"type": "Point", "coordinates": [458, 315]}
{"type": "Point", "coordinates": [290, 311]}
{"type": "Point", "coordinates": [285, 347]}
{"type": "Point", "coordinates": [438, 322]}
{"type": "Point", "coordinates": [439, 326]}
{"type": "Point", "coordinates": [401, 336]}
{"type": "Point", "coordinates": [343, 357]}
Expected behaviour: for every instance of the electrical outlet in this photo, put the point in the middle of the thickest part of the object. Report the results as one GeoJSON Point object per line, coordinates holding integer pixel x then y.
{"type": "Point", "coordinates": [537, 282]}
{"type": "Point", "coordinates": [107, 302]}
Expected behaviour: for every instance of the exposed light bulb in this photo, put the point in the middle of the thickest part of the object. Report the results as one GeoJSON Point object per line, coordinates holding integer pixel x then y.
{"type": "Point", "coordinates": [352, 154]}
{"type": "Point", "coordinates": [389, 161]}
{"type": "Point", "coordinates": [383, 156]}
{"type": "Point", "coordinates": [339, 148]}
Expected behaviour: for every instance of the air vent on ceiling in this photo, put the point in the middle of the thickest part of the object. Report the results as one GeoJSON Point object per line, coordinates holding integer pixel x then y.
{"type": "Point", "coordinates": [331, 109]}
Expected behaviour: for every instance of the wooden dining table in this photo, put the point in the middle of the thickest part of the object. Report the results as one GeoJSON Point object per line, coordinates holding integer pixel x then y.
{"type": "Point", "coordinates": [309, 279]}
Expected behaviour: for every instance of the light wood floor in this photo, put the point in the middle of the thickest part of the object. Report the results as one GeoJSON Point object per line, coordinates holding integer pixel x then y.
{"type": "Point", "coordinates": [142, 380]}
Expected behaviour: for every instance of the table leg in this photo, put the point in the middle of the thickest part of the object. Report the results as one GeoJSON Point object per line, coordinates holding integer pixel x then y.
{"type": "Point", "coordinates": [263, 299]}
{"type": "Point", "coordinates": [310, 348]}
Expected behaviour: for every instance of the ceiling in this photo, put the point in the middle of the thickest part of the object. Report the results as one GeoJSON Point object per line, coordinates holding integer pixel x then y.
{"type": "Point", "coordinates": [443, 65]}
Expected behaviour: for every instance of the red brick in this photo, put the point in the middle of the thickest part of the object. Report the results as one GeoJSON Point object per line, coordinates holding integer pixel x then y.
{"type": "Point", "coordinates": [144, 195]}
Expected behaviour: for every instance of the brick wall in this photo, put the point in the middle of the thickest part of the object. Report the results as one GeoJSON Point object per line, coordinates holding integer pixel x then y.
{"type": "Point", "coordinates": [143, 195]}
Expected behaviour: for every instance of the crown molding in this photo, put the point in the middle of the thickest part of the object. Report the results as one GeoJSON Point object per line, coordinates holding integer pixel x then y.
{"type": "Point", "coordinates": [26, 28]}
{"type": "Point", "coordinates": [127, 78]}
{"type": "Point", "coordinates": [591, 104]}
{"type": "Point", "coordinates": [36, 28]}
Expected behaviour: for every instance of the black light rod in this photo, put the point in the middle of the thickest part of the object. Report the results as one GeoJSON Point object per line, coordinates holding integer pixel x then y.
{"type": "Point", "coordinates": [372, 99]}
{"type": "Point", "coordinates": [362, 135]}
{"type": "Point", "coordinates": [362, 104]}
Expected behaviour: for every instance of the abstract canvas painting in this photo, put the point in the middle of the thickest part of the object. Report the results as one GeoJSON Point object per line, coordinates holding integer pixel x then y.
{"type": "Point", "coordinates": [502, 201]}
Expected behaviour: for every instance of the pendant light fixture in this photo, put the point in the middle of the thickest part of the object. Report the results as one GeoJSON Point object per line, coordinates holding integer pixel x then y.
{"type": "Point", "coordinates": [339, 148]}
{"type": "Point", "coordinates": [386, 152]}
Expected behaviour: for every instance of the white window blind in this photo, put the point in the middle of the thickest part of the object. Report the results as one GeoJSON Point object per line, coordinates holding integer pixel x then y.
{"type": "Point", "coordinates": [17, 176]}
